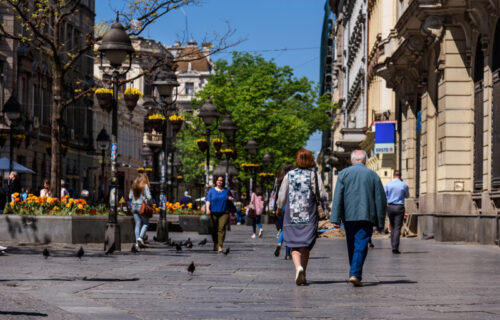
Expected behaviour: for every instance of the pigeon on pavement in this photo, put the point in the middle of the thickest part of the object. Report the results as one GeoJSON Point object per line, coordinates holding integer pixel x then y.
{"type": "Point", "coordinates": [203, 242]}
{"type": "Point", "coordinates": [178, 247]}
{"type": "Point", "coordinates": [226, 251]}
{"type": "Point", "coordinates": [80, 253]}
{"type": "Point", "coordinates": [46, 253]}
{"type": "Point", "coordinates": [191, 268]}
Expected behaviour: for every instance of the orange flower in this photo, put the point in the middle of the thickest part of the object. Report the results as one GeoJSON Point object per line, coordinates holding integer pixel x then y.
{"type": "Point", "coordinates": [80, 206]}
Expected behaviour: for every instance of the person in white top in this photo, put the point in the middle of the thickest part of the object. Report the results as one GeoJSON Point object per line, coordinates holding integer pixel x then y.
{"type": "Point", "coordinates": [45, 192]}
{"type": "Point", "coordinates": [64, 191]}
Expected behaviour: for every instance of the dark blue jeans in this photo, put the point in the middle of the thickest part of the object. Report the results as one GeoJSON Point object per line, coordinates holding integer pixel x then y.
{"type": "Point", "coordinates": [358, 233]}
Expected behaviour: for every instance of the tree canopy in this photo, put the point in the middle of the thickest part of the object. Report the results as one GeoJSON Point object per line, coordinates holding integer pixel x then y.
{"type": "Point", "coordinates": [266, 102]}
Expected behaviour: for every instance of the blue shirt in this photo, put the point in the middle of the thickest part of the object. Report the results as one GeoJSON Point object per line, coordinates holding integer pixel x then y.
{"type": "Point", "coordinates": [218, 199]}
{"type": "Point", "coordinates": [396, 191]}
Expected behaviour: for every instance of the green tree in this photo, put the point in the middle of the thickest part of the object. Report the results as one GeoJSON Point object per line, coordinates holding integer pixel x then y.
{"type": "Point", "coordinates": [266, 102]}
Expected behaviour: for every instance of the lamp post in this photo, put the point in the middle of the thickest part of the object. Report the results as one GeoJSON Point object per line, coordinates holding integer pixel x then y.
{"type": "Point", "coordinates": [165, 81]}
{"type": "Point", "coordinates": [228, 127]}
{"type": "Point", "coordinates": [103, 142]}
{"type": "Point", "coordinates": [209, 115]}
{"type": "Point", "coordinates": [251, 147]}
{"type": "Point", "coordinates": [115, 46]}
{"type": "Point", "coordinates": [267, 160]}
{"type": "Point", "coordinates": [13, 110]}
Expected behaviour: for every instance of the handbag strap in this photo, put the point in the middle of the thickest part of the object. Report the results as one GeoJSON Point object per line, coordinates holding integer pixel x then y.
{"type": "Point", "coordinates": [316, 187]}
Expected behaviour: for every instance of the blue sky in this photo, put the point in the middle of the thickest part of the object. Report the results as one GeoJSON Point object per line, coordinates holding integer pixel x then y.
{"type": "Point", "coordinates": [287, 31]}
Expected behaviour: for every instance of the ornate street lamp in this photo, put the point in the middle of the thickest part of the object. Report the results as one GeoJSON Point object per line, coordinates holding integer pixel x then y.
{"type": "Point", "coordinates": [209, 115]}
{"type": "Point", "coordinates": [115, 47]}
{"type": "Point", "coordinates": [251, 147]}
{"type": "Point", "coordinates": [267, 159]}
{"type": "Point", "coordinates": [13, 110]}
{"type": "Point", "coordinates": [165, 81]}
{"type": "Point", "coordinates": [103, 142]}
{"type": "Point", "coordinates": [228, 127]}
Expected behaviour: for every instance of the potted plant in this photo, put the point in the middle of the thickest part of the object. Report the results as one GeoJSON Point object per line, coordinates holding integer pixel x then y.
{"type": "Point", "coordinates": [217, 143]}
{"type": "Point", "coordinates": [104, 97]}
{"type": "Point", "coordinates": [131, 96]}
{"type": "Point", "coordinates": [176, 121]}
{"type": "Point", "coordinates": [156, 121]}
{"type": "Point", "coordinates": [202, 144]}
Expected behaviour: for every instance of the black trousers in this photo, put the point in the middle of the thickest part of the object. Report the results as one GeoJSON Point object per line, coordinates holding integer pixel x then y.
{"type": "Point", "coordinates": [396, 214]}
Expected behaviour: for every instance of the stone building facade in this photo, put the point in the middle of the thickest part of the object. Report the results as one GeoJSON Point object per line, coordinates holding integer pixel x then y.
{"type": "Point", "coordinates": [442, 60]}
{"type": "Point", "coordinates": [26, 74]}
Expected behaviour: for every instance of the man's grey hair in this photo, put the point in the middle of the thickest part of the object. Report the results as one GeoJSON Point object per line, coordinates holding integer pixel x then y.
{"type": "Point", "coordinates": [358, 156]}
{"type": "Point", "coordinates": [14, 173]}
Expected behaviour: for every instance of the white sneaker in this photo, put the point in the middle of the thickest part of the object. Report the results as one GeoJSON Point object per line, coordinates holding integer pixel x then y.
{"type": "Point", "coordinates": [239, 223]}
{"type": "Point", "coordinates": [2, 248]}
{"type": "Point", "coordinates": [260, 233]}
{"type": "Point", "coordinates": [140, 242]}
{"type": "Point", "coordinates": [299, 276]}
{"type": "Point", "coordinates": [253, 236]}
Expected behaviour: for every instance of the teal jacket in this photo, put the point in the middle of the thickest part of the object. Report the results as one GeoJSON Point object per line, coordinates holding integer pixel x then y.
{"type": "Point", "coordinates": [359, 196]}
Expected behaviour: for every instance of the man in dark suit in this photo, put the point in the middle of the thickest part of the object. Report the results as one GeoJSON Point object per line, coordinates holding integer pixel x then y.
{"type": "Point", "coordinates": [359, 201]}
{"type": "Point", "coordinates": [13, 186]}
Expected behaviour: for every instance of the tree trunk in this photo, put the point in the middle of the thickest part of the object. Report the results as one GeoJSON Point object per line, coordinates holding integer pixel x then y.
{"type": "Point", "coordinates": [55, 132]}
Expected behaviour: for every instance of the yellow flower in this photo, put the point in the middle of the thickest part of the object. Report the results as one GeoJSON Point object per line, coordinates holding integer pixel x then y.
{"type": "Point", "coordinates": [156, 116]}
{"type": "Point", "coordinates": [133, 91]}
{"type": "Point", "coordinates": [176, 117]}
{"type": "Point", "coordinates": [11, 203]}
{"type": "Point", "coordinates": [68, 205]}
{"type": "Point", "coordinates": [55, 208]}
{"type": "Point", "coordinates": [217, 140]}
{"type": "Point", "coordinates": [201, 140]}
{"type": "Point", "coordinates": [80, 206]}
{"type": "Point", "coordinates": [104, 90]}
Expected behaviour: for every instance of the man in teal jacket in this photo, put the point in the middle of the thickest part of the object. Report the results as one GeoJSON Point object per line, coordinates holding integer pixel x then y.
{"type": "Point", "coordinates": [359, 201]}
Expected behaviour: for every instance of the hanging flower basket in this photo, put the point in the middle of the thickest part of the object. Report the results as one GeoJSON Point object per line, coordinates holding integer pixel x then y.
{"type": "Point", "coordinates": [248, 167]}
{"type": "Point", "coordinates": [131, 96]}
{"type": "Point", "coordinates": [202, 144]}
{"type": "Point", "coordinates": [217, 143]}
{"type": "Point", "coordinates": [176, 122]}
{"type": "Point", "coordinates": [105, 97]}
{"type": "Point", "coordinates": [3, 139]}
{"type": "Point", "coordinates": [18, 139]}
{"type": "Point", "coordinates": [218, 155]}
{"type": "Point", "coordinates": [156, 121]}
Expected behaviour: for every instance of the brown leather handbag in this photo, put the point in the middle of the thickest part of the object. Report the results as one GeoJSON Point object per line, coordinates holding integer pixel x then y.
{"type": "Point", "coordinates": [146, 210]}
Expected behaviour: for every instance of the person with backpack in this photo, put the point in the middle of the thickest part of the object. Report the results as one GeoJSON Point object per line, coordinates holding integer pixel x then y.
{"type": "Point", "coordinates": [140, 193]}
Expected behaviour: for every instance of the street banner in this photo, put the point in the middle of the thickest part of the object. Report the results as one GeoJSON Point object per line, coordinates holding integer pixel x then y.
{"type": "Point", "coordinates": [384, 137]}
{"type": "Point", "coordinates": [114, 148]}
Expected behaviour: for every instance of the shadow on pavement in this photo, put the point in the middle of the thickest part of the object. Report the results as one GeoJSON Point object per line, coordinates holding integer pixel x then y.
{"type": "Point", "coordinates": [371, 284]}
{"type": "Point", "coordinates": [74, 279]}
{"type": "Point", "coordinates": [21, 313]}
{"type": "Point", "coordinates": [326, 281]}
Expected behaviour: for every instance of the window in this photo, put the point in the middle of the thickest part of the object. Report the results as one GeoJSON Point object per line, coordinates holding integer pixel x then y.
{"type": "Point", "coordinates": [189, 88]}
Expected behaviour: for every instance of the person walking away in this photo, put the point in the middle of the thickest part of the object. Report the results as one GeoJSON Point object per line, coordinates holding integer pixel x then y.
{"type": "Point", "coordinates": [216, 201]}
{"type": "Point", "coordinates": [359, 201]}
{"type": "Point", "coordinates": [240, 217]}
{"type": "Point", "coordinates": [300, 222]}
{"type": "Point", "coordinates": [64, 191]}
{"type": "Point", "coordinates": [396, 191]}
{"type": "Point", "coordinates": [257, 203]}
{"type": "Point", "coordinates": [14, 185]}
{"type": "Point", "coordinates": [186, 199]}
{"type": "Point", "coordinates": [139, 193]}
{"type": "Point", "coordinates": [45, 192]}
{"type": "Point", "coordinates": [279, 219]}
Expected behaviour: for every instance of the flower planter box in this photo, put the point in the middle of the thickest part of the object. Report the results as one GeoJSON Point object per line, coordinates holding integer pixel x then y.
{"type": "Point", "coordinates": [189, 222]}
{"type": "Point", "coordinates": [61, 229]}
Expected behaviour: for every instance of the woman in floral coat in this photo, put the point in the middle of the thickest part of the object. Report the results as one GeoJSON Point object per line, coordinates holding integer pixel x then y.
{"type": "Point", "coordinates": [300, 223]}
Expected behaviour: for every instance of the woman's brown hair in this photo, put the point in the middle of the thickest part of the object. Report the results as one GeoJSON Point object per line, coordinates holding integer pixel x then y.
{"type": "Point", "coordinates": [305, 159]}
{"type": "Point", "coordinates": [138, 185]}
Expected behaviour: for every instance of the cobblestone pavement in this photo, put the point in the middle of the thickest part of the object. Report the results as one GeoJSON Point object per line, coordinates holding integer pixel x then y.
{"type": "Point", "coordinates": [429, 280]}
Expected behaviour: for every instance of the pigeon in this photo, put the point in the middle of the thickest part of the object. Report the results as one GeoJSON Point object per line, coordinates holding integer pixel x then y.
{"type": "Point", "coordinates": [111, 249]}
{"type": "Point", "coordinates": [178, 247]}
{"type": "Point", "coordinates": [226, 251]}
{"type": "Point", "coordinates": [203, 242]}
{"type": "Point", "coordinates": [133, 249]}
{"type": "Point", "coordinates": [186, 242]}
{"type": "Point", "coordinates": [191, 268]}
{"type": "Point", "coordinates": [46, 253]}
{"type": "Point", "coordinates": [80, 253]}
{"type": "Point", "coordinates": [189, 244]}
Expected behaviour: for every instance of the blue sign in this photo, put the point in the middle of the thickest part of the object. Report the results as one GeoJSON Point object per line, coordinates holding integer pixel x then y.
{"type": "Point", "coordinates": [385, 137]}
{"type": "Point", "coordinates": [163, 170]}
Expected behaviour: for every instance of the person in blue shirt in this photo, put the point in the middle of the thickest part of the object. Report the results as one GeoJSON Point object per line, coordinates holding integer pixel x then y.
{"type": "Point", "coordinates": [396, 191]}
{"type": "Point", "coordinates": [216, 201]}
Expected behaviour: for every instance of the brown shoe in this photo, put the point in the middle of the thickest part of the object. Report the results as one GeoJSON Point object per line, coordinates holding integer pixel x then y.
{"type": "Point", "coordinates": [355, 281]}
